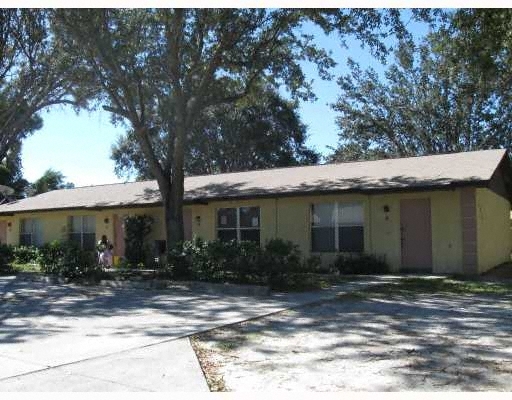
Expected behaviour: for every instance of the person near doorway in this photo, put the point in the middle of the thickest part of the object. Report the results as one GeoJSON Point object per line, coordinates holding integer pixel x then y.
{"type": "Point", "coordinates": [105, 252]}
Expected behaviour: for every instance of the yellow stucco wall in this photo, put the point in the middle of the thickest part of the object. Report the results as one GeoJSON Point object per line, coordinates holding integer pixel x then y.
{"type": "Point", "coordinates": [290, 219]}
{"type": "Point", "coordinates": [54, 224]}
{"type": "Point", "coordinates": [445, 223]}
{"type": "Point", "coordinates": [493, 229]}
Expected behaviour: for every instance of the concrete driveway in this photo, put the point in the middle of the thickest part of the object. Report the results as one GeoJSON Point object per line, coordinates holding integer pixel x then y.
{"type": "Point", "coordinates": [72, 338]}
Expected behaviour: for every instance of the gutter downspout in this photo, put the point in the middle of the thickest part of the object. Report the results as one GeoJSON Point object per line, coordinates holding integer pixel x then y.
{"type": "Point", "coordinates": [276, 229]}
{"type": "Point", "coordinates": [370, 221]}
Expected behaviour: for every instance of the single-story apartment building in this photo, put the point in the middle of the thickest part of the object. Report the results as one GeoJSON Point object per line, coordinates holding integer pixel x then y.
{"type": "Point", "coordinates": [442, 213]}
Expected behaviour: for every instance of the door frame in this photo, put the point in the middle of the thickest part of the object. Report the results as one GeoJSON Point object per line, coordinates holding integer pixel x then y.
{"type": "Point", "coordinates": [3, 232]}
{"type": "Point", "coordinates": [429, 250]}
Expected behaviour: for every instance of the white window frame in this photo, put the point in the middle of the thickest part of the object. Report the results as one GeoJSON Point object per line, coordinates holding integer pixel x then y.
{"type": "Point", "coordinates": [81, 232]}
{"type": "Point", "coordinates": [36, 228]}
{"type": "Point", "coordinates": [337, 205]}
{"type": "Point", "coordinates": [238, 228]}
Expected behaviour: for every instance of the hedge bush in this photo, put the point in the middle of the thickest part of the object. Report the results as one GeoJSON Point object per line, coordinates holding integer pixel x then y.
{"type": "Point", "coordinates": [26, 254]}
{"type": "Point", "coordinates": [244, 262]}
{"type": "Point", "coordinates": [215, 261]}
{"type": "Point", "coordinates": [137, 228]}
{"type": "Point", "coordinates": [6, 258]}
{"type": "Point", "coordinates": [361, 264]}
{"type": "Point", "coordinates": [68, 260]}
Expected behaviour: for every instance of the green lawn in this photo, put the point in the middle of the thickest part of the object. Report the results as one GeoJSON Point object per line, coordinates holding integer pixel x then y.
{"type": "Point", "coordinates": [25, 267]}
{"type": "Point", "coordinates": [414, 286]}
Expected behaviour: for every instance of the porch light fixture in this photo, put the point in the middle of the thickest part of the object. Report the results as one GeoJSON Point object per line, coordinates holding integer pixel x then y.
{"type": "Point", "coordinates": [386, 212]}
{"type": "Point", "coordinates": [198, 220]}
{"type": "Point", "coordinates": [106, 220]}
{"type": "Point", "coordinates": [9, 224]}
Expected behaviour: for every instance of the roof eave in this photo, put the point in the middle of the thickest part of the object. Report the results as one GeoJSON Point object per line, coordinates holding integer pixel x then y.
{"type": "Point", "coordinates": [206, 199]}
{"type": "Point", "coordinates": [372, 191]}
{"type": "Point", "coordinates": [81, 208]}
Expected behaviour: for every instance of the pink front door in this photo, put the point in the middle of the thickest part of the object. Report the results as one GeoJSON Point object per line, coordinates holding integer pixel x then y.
{"type": "Point", "coordinates": [3, 232]}
{"type": "Point", "coordinates": [416, 235]}
{"type": "Point", "coordinates": [187, 224]}
{"type": "Point", "coordinates": [118, 236]}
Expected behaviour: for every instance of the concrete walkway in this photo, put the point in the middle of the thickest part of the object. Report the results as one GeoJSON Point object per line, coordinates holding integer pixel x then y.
{"type": "Point", "coordinates": [73, 338]}
{"type": "Point", "coordinates": [165, 367]}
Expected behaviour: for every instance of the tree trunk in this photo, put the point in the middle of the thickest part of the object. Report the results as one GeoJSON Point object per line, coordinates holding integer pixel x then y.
{"type": "Point", "coordinates": [173, 200]}
{"type": "Point", "coordinates": [173, 204]}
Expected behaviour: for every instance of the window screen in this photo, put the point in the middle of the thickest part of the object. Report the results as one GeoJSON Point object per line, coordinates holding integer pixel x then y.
{"type": "Point", "coordinates": [337, 227]}
{"type": "Point", "coordinates": [31, 233]}
{"type": "Point", "coordinates": [323, 227]}
{"type": "Point", "coordinates": [83, 231]}
{"type": "Point", "coordinates": [242, 223]}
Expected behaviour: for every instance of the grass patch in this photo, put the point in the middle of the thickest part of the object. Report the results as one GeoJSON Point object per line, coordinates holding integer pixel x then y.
{"type": "Point", "coordinates": [413, 286]}
{"type": "Point", "coordinates": [230, 345]}
{"type": "Point", "coordinates": [231, 338]}
{"type": "Point", "coordinates": [15, 268]}
{"type": "Point", "coordinates": [29, 267]}
{"type": "Point", "coordinates": [448, 285]}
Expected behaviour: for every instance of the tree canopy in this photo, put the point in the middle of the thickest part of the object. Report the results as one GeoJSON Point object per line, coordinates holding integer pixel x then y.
{"type": "Point", "coordinates": [50, 180]}
{"type": "Point", "coordinates": [158, 70]}
{"type": "Point", "coordinates": [430, 101]}
{"type": "Point", "coordinates": [483, 38]}
{"type": "Point", "coordinates": [11, 175]}
{"type": "Point", "coordinates": [34, 74]}
{"type": "Point", "coordinates": [263, 131]}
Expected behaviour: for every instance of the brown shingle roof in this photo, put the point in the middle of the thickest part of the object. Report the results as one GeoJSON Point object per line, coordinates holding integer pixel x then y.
{"type": "Point", "coordinates": [412, 173]}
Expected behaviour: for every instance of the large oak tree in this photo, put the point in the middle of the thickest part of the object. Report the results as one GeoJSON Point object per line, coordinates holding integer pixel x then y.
{"type": "Point", "coordinates": [34, 75]}
{"type": "Point", "coordinates": [261, 131]}
{"type": "Point", "coordinates": [157, 70]}
{"type": "Point", "coordinates": [429, 101]}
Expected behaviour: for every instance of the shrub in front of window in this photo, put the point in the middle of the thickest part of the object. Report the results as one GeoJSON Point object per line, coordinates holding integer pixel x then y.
{"type": "Point", "coordinates": [232, 261]}
{"type": "Point", "coordinates": [137, 228]}
{"type": "Point", "coordinates": [6, 257]}
{"type": "Point", "coordinates": [314, 264]}
{"type": "Point", "coordinates": [25, 254]}
{"type": "Point", "coordinates": [209, 259]}
{"type": "Point", "coordinates": [287, 270]}
{"type": "Point", "coordinates": [216, 261]}
{"type": "Point", "coordinates": [279, 263]}
{"type": "Point", "coordinates": [360, 264]}
{"type": "Point", "coordinates": [246, 266]}
{"type": "Point", "coordinates": [50, 255]}
{"type": "Point", "coordinates": [68, 260]}
{"type": "Point", "coordinates": [282, 256]}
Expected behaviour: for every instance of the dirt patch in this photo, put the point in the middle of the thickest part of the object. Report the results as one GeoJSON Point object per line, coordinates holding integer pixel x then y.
{"type": "Point", "coordinates": [430, 342]}
{"type": "Point", "coordinates": [209, 365]}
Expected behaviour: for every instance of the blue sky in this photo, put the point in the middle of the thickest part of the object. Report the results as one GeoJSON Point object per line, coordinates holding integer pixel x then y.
{"type": "Point", "coordinates": [78, 145]}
